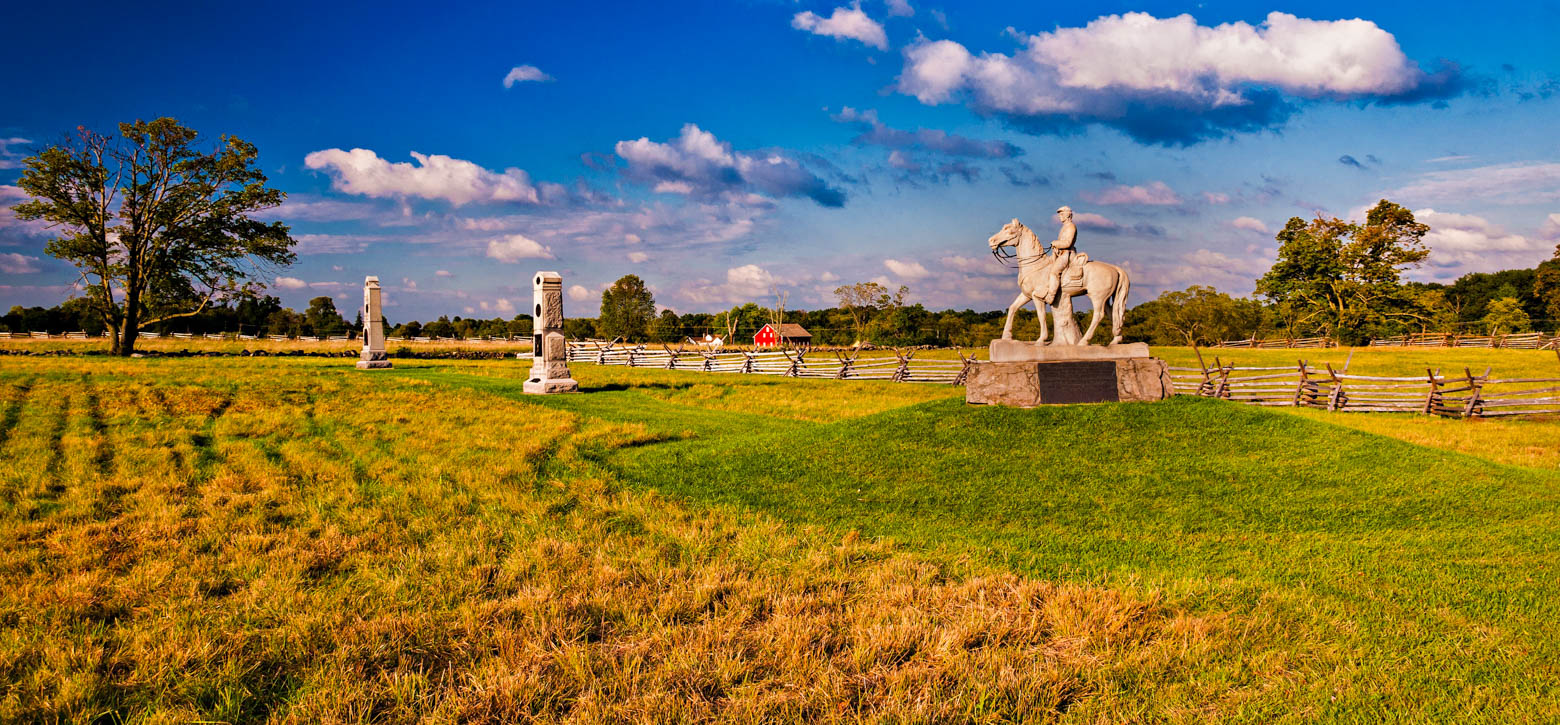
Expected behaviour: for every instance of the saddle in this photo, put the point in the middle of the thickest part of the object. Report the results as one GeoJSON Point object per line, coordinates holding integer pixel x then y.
{"type": "Point", "coordinates": [1074, 272]}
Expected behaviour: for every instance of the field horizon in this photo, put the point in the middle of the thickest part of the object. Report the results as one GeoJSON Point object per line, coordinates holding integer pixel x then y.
{"type": "Point", "coordinates": [293, 540]}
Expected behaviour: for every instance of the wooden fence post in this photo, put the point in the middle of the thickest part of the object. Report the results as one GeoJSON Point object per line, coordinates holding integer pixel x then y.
{"type": "Point", "coordinates": [845, 364]}
{"type": "Point", "coordinates": [1336, 398]}
{"type": "Point", "coordinates": [1433, 398]}
{"type": "Point", "coordinates": [903, 371]}
{"type": "Point", "coordinates": [1305, 390]}
{"type": "Point", "coordinates": [964, 372]}
{"type": "Point", "coordinates": [1474, 407]}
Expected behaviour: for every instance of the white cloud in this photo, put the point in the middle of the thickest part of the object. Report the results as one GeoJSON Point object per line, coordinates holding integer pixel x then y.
{"type": "Point", "coordinates": [638, 257]}
{"type": "Point", "coordinates": [516, 247]}
{"type": "Point", "coordinates": [747, 283]}
{"type": "Point", "coordinates": [502, 306]}
{"type": "Point", "coordinates": [363, 172]}
{"type": "Point", "coordinates": [698, 163]}
{"type": "Point", "coordinates": [1215, 197]}
{"type": "Point", "coordinates": [1090, 220]}
{"type": "Point", "coordinates": [443, 273]}
{"type": "Point", "coordinates": [409, 283]}
{"type": "Point", "coordinates": [523, 73]}
{"type": "Point", "coordinates": [1250, 224]}
{"type": "Point", "coordinates": [828, 276]}
{"type": "Point", "coordinates": [578, 293]}
{"type": "Point", "coordinates": [906, 270]}
{"type": "Point", "coordinates": [844, 23]}
{"type": "Point", "coordinates": [12, 263]}
{"type": "Point", "coordinates": [10, 157]}
{"type": "Point", "coordinates": [290, 283]}
{"type": "Point", "coordinates": [900, 8]}
{"type": "Point", "coordinates": [1121, 65]}
{"type": "Point", "coordinates": [1154, 194]}
{"type": "Point", "coordinates": [1518, 183]}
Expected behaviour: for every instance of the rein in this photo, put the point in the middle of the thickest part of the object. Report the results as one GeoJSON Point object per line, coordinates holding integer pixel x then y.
{"type": "Point", "coordinates": [1014, 261]}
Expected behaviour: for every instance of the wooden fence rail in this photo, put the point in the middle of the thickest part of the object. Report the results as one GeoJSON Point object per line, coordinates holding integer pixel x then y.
{"type": "Point", "coordinates": [1453, 395]}
{"type": "Point", "coordinates": [903, 367]}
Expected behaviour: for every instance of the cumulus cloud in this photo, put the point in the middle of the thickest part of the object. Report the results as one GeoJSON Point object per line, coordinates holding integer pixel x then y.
{"type": "Point", "coordinates": [746, 283]}
{"type": "Point", "coordinates": [363, 172]}
{"type": "Point", "coordinates": [501, 305]}
{"type": "Point", "coordinates": [13, 263]}
{"type": "Point", "coordinates": [12, 152]}
{"type": "Point", "coordinates": [906, 270]}
{"type": "Point", "coordinates": [516, 247]}
{"type": "Point", "coordinates": [638, 257]}
{"type": "Point", "coordinates": [443, 273]}
{"type": "Point", "coordinates": [900, 9]}
{"type": "Point", "coordinates": [875, 133]}
{"type": "Point", "coordinates": [578, 293]}
{"type": "Point", "coordinates": [1090, 220]}
{"type": "Point", "coordinates": [524, 73]}
{"type": "Point", "coordinates": [1462, 243]}
{"type": "Point", "coordinates": [843, 24]}
{"type": "Point", "coordinates": [1215, 197]}
{"type": "Point", "coordinates": [1517, 183]}
{"type": "Point", "coordinates": [1153, 194]}
{"type": "Point", "coordinates": [290, 283]}
{"type": "Point", "coordinates": [1250, 224]}
{"type": "Point", "coordinates": [1171, 81]}
{"type": "Point", "coordinates": [697, 163]}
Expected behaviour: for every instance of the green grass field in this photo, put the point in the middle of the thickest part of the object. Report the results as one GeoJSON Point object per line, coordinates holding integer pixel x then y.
{"type": "Point", "coordinates": [293, 540]}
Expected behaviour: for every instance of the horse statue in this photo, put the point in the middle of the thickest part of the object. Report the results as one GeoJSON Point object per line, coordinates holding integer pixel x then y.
{"type": "Point", "coordinates": [1100, 281]}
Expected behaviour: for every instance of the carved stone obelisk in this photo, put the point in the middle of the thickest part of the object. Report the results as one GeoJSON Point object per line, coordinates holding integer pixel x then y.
{"type": "Point", "coordinates": [374, 357]}
{"type": "Point", "coordinates": [550, 350]}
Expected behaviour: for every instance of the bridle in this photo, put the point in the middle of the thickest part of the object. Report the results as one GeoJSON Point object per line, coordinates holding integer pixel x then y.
{"type": "Point", "coordinates": [1014, 260]}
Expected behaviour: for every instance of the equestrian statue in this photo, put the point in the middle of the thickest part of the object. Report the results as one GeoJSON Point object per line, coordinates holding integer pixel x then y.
{"type": "Point", "coordinates": [1052, 277]}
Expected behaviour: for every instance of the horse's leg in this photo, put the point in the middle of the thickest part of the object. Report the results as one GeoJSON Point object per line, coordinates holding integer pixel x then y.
{"type": "Point", "coordinates": [1040, 310]}
{"type": "Point", "coordinates": [1007, 330]}
{"type": "Point", "coordinates": [1098, 302]}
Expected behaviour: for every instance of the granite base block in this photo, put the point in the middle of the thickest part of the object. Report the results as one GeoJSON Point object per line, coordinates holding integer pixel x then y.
{"type": "Point", "coordinates": [1028, 384]}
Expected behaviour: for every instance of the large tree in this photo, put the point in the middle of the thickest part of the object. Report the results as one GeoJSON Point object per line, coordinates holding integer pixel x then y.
{"type": "Point", "coordinates": [1339, 277]}
{"type": "Point", "coordinates": [1195, 316]}
{"type": "Point", "coordinates": [157, 226]}
{"type": "Point", "coordinates": [864, 298]}
{"type": "Point", "coordinates": [626, 309]}
{"type": "Point", "coordinates": [1546, 286]}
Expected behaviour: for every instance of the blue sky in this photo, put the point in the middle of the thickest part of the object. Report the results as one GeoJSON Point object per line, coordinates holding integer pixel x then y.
{"type": "Point", "coordinates": [722, 149]}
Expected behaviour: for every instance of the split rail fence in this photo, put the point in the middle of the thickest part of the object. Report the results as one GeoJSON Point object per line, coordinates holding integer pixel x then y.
{"type": "Point", "coordinates": [1518, 341]}
{"type": "Point", "coordinates": [903, 367]}
{"type": "Point", "coordinates": [1282, 342]}
{"type": "Point", "coordinates": [1452, 395]}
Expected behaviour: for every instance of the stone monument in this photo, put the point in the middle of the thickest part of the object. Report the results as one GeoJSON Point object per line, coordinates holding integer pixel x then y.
{"type": "Point", "coordinates": [549, 348]}
{"type": "Point", "coordinates": [1067, 369]}
{"type": "Point", "coordinates": [374, 357]}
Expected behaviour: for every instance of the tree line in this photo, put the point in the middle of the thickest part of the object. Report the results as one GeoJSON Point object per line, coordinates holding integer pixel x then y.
{"type": "Point", "coordinates": [165, 235]}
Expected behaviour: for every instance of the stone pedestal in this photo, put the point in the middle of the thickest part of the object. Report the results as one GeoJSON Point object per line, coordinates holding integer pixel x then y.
{"type": "Point", "coordinates": [1022, 351]}
{"type": "Point", "coordinates": [373, 357]}
{"type": "Point", "coordinates": [549, 348]}
{"type": "Point", "coordinates": [1031, 383]}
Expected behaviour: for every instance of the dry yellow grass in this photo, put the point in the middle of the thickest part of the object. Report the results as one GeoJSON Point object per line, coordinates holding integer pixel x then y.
{"type": "Point", "coordinates": [292, 541]}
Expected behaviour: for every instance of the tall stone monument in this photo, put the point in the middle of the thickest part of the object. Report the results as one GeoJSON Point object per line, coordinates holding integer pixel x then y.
{"type": "Point", "coordinates": [1067, 369]}
{"type": "Point", "coordinates": [374, 357]}
{"type": "Point", "coordinates": [549, 348]}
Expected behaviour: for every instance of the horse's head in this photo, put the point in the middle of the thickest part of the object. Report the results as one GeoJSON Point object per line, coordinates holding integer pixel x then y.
{"type": "Point", "coordinates": [1008, 235]}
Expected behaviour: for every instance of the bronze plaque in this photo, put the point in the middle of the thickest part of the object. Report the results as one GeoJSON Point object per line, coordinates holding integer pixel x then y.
{"type": "Point", "coordinates": [1092, 381]}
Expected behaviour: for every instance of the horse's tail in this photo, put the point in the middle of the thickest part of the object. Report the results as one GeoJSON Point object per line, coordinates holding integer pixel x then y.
{"type": "Point", "coordinates": [1118, 305]}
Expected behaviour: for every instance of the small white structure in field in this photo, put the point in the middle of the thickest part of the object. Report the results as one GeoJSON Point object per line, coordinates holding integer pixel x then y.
{"type": "Point", "coordinates": [549, 348]}
{"type": "Point", "coordinates": [374, 357]}
{"type": "Point", "coordinates": [709, 343]}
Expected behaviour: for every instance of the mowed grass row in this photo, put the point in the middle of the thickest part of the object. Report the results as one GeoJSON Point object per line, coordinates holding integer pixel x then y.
{"type": "Point", "coordinates": [298, 541]}
{"type": "Point", "coordinates": [1367, 578]}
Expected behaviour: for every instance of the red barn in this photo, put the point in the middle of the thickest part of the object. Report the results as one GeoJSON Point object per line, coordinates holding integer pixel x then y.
{"type": "Point", "coordinates": [781, 335]}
